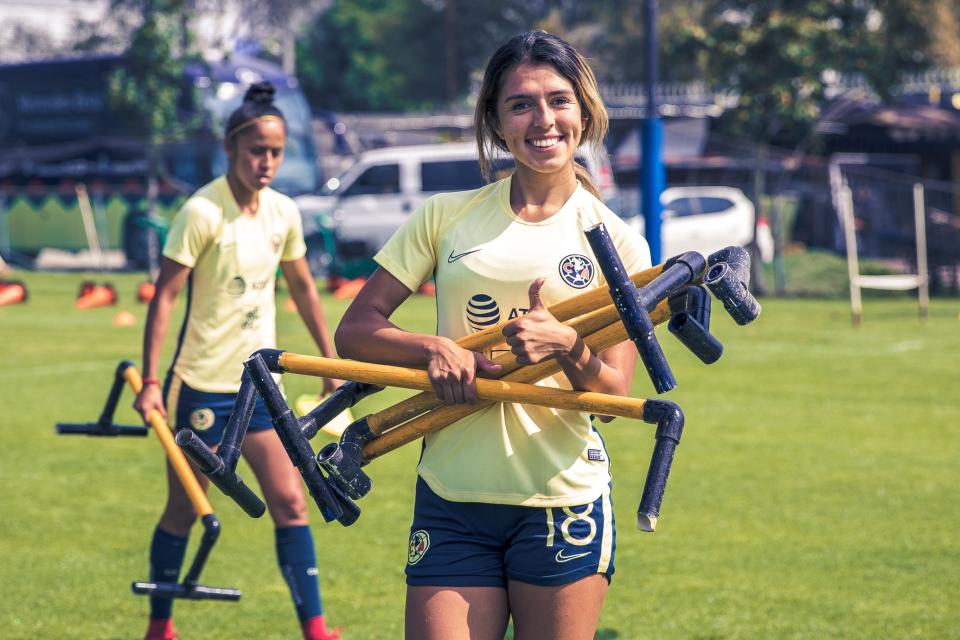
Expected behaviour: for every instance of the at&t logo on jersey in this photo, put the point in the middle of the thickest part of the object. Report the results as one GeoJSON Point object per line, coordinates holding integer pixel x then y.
{"type": "Point", "coordinates": [482, 312]}
{"type": "Point", "coordinates": [576, 270]}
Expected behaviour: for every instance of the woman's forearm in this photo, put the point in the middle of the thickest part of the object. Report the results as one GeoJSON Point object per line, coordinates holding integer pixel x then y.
{"type": "Point", "coordinates": [372, 338]}
{"type": "Point", "coordinates": [588, 372]}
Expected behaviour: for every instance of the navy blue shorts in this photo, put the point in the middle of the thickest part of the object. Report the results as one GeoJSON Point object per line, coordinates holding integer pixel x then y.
{"type": "Point", "coordinates": [472, 544]}
{"type": "Point", "coordinates": [206, 413]}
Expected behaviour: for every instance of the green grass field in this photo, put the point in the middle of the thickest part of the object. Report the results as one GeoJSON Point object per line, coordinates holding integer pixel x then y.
{"type": "Point", "coordinates": [814, 494]}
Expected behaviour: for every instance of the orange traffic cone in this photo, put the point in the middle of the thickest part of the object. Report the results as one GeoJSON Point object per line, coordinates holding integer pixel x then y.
{"type": "Point", "coordinates": [349, 289]}
{"type": "Point", "coordinates": [12, 292]}
{"type": "Point", "coordinates": [86, 287]}
{"type": "Point", "coordinates": [427, 289]}
{"type": "Point", "coordinates": [97, 296]}
{"type": "Point", "coordinates": [145, 292]}
{"type": "Point", "coordinates": [124, 319]}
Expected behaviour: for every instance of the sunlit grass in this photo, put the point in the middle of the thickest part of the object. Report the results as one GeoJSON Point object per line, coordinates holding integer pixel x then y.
{"type": "Point", "coordinates": [813, 494]}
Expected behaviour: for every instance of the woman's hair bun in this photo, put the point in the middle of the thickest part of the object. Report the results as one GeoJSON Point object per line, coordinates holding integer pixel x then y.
{"type": "Point", "coordinates": [260, 92]}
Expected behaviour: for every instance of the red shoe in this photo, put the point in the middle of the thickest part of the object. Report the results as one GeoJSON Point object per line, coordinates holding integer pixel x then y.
{"type": "Point", "coordinates": [315, 628]}
{"type": "Point", "coordinates": [160, 629]}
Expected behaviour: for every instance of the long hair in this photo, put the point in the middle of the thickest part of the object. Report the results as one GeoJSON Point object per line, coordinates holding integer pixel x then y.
{"type": "Point", "coordinates": [538, 47]}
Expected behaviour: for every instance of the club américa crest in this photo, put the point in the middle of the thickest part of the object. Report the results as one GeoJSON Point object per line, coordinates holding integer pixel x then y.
{"type": "Point", "coordinates": [419, 543]}
{"type": "Point", "coordinates": [577, 270]}
{"type": "Point", "coordinates": [202, 419]}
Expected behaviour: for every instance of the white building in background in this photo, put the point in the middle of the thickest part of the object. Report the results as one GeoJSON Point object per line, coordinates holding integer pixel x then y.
{"type": "Point", "coordinates": [54, 18]}
{"type": "Point", "coordinates": [218, 26]}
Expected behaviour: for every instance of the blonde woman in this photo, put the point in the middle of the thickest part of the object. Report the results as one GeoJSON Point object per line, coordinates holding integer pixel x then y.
{"type": "Point", "coordinates": [513, 513]}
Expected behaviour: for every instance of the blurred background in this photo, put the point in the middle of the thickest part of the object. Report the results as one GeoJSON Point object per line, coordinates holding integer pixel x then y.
{"type": "Point", "coordinates": [111, 112]}
{"type": "Point", "coordinates": [814, 495]}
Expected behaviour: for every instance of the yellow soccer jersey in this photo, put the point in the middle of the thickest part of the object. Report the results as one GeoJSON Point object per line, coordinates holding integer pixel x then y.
{"type": "Point", "coordinates": [484, 259]}
{"type": "Point", "coordinates": [230, 301]}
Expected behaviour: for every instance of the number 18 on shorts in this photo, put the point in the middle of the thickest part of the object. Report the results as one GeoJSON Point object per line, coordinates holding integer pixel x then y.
{"type": "Point", "coordinates": [460, 544]}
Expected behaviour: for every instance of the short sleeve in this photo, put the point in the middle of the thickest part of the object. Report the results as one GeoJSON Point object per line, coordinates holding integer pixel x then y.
{"type": "Point", "coordinates": [190, 232]}
{"type": "Point", "coordinates": [410, 255]}
{"type": "Point", "coordinates": [294, 247]}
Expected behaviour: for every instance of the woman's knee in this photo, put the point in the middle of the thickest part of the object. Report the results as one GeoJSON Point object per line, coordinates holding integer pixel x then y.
{"type": "Point", "coordinates": [288, 508]}
{"type": "Point", "coordinates": [178, 519]}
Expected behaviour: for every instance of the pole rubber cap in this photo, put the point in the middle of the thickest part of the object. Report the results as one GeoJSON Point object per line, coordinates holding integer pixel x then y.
{"type": "Point", "coordinates": [646, 522]}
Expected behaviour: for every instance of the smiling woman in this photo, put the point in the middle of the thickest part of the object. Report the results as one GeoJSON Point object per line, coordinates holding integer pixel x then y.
{"type": "Point", "coordinates": [513, 511]}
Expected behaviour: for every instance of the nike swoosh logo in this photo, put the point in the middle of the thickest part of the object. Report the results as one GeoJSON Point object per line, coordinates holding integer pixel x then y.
{"type": "Point", "coordinates": [453, 258]}
{"type": "Point", "coordinates": [563, 558]}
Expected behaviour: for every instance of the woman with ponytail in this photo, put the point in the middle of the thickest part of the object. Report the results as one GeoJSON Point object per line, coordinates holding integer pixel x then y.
{"type": "Point", "coordinates": [513, 514]}
{"type": "Point", "coordinates": [225, 246]}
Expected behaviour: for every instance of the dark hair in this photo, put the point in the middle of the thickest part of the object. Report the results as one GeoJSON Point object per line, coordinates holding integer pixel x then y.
{"type": "Point", "coordinates": [538, 47]}
{"type": "Point", "coordinates": [257, 104]}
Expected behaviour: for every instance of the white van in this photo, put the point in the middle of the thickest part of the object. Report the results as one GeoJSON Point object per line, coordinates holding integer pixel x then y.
{"type": "Point", "coordinates": [370, 200]}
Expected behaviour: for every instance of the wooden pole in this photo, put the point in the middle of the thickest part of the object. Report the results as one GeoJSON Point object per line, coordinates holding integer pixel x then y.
{"type": "Point", "coordinates": [498, 390]}
{"type": "Point", "coordinates": [196, 494]}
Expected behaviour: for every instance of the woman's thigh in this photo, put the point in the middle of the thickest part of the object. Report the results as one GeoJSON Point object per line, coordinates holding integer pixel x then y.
{"type": "Point", "coordinates": [279, 479]}
{"type": "Point", "coordinates": [456, 613]}
{"type": "Point", "coordinates": [565, 612]}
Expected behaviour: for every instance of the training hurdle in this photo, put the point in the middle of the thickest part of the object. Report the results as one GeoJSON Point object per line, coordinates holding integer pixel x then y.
{"type": "Point", "coordinates": [190, 588]}
{"type": "Point", "coordinates": [629, 310]}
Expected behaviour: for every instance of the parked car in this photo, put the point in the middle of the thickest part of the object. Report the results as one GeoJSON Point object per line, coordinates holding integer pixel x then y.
{"type": "Point", "coordinates": [706, 219]}
{"type": "Point", "coordinates": [365, 205]}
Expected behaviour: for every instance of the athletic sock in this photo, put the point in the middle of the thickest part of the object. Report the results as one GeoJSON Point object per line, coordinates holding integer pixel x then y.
{"type": "Point", "coordinates": [166, 558]}
{"type": "Point", "coordinates": [160, 629]}
{"type": "Point", "coordinates": [315, 628]}
{"type": "Point", "coordinates": [298, 564]}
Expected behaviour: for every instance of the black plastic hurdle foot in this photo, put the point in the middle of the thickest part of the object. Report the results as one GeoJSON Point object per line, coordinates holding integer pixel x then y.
{"type": "Point", "coordinates": [190, 588]}
{"type": "Point", "coordinates": [104, 426]}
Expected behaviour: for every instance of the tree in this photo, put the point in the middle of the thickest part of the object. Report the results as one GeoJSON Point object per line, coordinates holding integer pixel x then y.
{"type": "Point", "coordinates": [778, 56]}
{"type": "Point", "coordinates": [371, 55]}
{"type": "Point", "coordinates": [148, 89]}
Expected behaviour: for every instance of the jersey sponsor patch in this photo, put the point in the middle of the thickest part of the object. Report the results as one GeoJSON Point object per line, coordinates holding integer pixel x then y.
{"type": "Point", "coordinates": [276, 241]}
{"type": "Point", "coordinates": [576, 270]}
{"type": "Point", "coordinates": [236, 286]}
{"type": "Point", "coordinates": [201, 419]}
{"type": "Point", "coordinates": [482, 312]}
{"type": "Point", "coordinates": [419, 544]}
{"type": "Point", "coordinates": [251, 319]}
{"type": "Point", "coordinates": [595, 455]}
